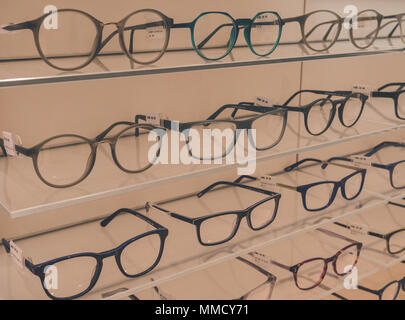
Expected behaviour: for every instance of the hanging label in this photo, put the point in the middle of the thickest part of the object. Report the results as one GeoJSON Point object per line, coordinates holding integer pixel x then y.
{"type": "Point", "coordinates": [268, 182]}
{"type": "Point", "coordinates": [263, 102]}
{"type": "Point", "coordinates": [153, 118]}
{"type": "Point", "coordinates": [363, 88]}
{"type": "Point", "coordinates": [9, 144]}
{"type": "Point", "coordinates": [17, 254]}
{"type": "Point", "coordinates": [360, 161]}
{"type": "Point", "coordinates": [261, 258]}
{"type": "Point", "coordinates": [154, 28]}
{"type": "Point", "coordinates": [358, 229]}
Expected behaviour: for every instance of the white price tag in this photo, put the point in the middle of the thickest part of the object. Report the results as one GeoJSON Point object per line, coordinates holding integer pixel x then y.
{"type": "Point", "coordinates": [363, 88]}
{"type": "Point", "coordinates": [153, 118]}
{"type": "Point", "coordinates": [263, 102]}
{"type": "Point", "coordinates": [360, 161]}
{"type": "Point", "coordinates": [268, 182]}
{"type": "Point", "coordinates": [9, 144]}
{"type": "Point", "coordinates": [154, 32]}
{"type": "Point", "coordinates": [261, 258]}
{"type": "Point", "coordinates": [358, 229]}
{"type": "Point", "coordinates": [17, 254]}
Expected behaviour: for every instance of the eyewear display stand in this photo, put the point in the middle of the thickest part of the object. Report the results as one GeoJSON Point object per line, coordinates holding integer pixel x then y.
{"type": "Point", "coordinates": [47, 222]}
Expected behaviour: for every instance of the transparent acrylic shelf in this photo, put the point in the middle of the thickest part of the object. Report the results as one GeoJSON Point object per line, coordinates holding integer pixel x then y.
{"type": "Point", "coordinates": [22, 193]}
{"type": "Point", "coordinates": [14, 73]}
{"type": "Point", "coordinates": [180, 257]}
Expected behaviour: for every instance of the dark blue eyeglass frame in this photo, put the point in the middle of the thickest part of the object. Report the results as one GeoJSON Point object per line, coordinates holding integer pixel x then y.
{"type": "Point", "coordinates": [380, 293]}
{"type": "Point", "coordinates": [337, 184]}
{"type": "Point", "coordinates": [243, 123]}
{"type": "Point", "coordinates": [39, 269]}
{"type": "Point", "coordinates": [240, 214]}
{"type": "Point", "coordinates": [389, 167]}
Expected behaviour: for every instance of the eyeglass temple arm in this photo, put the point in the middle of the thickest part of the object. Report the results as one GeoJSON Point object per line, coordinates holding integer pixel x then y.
{"type": "Point", "coordinates": [248, 106]}
{"type": "Point", "coordinates": [18, 148]}
{"type": "Point", "coordinates": [332, 24]}
{"type": "Point", "coordinates": [258, 268]}
{"type": "Point", "coordinates": [336, 235]}
{"type": "Point", "coordinates": [329, 162]}
{"type": "Point", "coordinates": [175, 215]}
{"type": "Point", "coordinates": [110, 218]}
{"type": "Point", "coordinates": [233, 184]}
{"type": "Point", "coordinates": [261, 256]}
{"type": "Point", "coordinates": [103, 134]}
{"type": "Point", "coordinates": [397, 204]}
{"type": "Point", "coordinates": [370, 233]}
{"type": "Point", "coordinates": [301, 162]}
{"type": "Point", "coordinates": [20, 26]}
{"type": "Point", "coordinates": [217, 29]}
{"type": "Point", "coordinates": [28, 264]}
{"type": "Point", "coordinates": [368, 290]}
{"type": "Point", "coordinates": [384, 145]}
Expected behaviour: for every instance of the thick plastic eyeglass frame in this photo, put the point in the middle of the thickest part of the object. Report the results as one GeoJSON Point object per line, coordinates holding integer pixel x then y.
{"type": "Point", "coordinates": [394, 95]}
{"type": "Point", "coordinates": [385, 237]}
{"type": "Point", "coordinates": [380, 293]}
{"type": "Point", "coordinates": [39, 269]}
{"type": "Point", "coordinates": [339, 22]}
{"type": "Point", "coordinates": [240, 124]}
{"type": "Point", "coordinates": [389, 167]}
{"type": "Point", "coordinates": [239, 213]}
{"type": "Point", "coordinates": [337, 184]}
{"type": "Point", "coordinates": [236, 25]}
{"type": "Point", "coordinates": [333, 259]}
{"type": "Point", "coordinates": [337, 105]}
{"type": "Point", "coordinates": [34, 151]}
{"type": "Point", "coordinates": [99, 44]}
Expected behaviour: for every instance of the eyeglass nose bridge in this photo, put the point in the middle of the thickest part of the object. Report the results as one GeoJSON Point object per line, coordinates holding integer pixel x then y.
{"type": "Point", "coordinates": [110, 24]}
{"type": "Point", "coordinates": [108, 141]}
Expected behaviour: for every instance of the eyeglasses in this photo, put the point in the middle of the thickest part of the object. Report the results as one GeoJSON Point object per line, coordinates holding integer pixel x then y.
{"type": "Point", "coordinates": [310, 273]}
{"type": "Point", "coordinates": [78, 273]}
{"type": "Point", "coordinates": [215, 229]}
{"type": "Point", "coordinates": [143, 35]}
{"type": "Point", "coordinates": [320, 195]}
{"type": "Point", "coordinates": [66, 160]}
{"type": "Point", "coordinates": [319, 114]}
{"type": "Point", "coordinates": [269, 126]}
{"type": "Point", "coordinates": [395, 240]}
{"type": "Point", "coordinates": [398, 96]}
{"type": "Point", "coordinates": [396, 169]}
{"type": "Point", "coordinates": [214, 34]}
{"type": "Point", "coordinates": [388, 292]}
{"type": "Point", "coordinates": [321, 29]}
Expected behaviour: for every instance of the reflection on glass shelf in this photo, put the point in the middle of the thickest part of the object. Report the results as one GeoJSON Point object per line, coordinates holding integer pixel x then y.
{"type": "Point", "coordinates": [23, 193]}
{"type": "Point", "coordinates": [180, 257]}
{"type": "Point", "coordinates": [26, 72]}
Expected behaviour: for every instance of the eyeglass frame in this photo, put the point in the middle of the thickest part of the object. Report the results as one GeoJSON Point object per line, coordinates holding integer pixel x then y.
{"type": "Point", "coordinates": [386, 236]}
{"type": "Point", "coordinates": [34, 26]}
{"type": "Point", "coordinates": [379, 293]}
{"type": "Point", "coordinates": [34, 151]}
{"type": "Point", "coordinates": [246, 124]}
{"type": "Point", "coordinates": [303, 189]}
{"type": "Point", "coordinates": [294, 269]}
{"type": "Point", "coordinates": [389, 167]}
{"type": "Point", "coordinates": [337, 105]}
{"type": "Point", "coordinates": [240, 214]}
{"type": "Point", "coordinates": [39, 269]}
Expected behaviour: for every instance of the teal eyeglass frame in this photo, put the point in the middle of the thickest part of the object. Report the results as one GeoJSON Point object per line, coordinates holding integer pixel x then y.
{"type": "Point", "coordinates": [238, 24]}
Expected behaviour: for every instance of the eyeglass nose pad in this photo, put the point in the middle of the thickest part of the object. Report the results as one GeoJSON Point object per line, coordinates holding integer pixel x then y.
{"type": "Point", "coordinates": [233, 37]}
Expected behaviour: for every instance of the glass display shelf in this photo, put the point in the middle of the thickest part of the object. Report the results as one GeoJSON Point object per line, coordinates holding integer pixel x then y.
{"type": "Point", "coordinates": [34, 71]}
{"type": "Point", "coordinates": [22, 193]}
{"type": "Point", "coordinates": [180, 257]}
